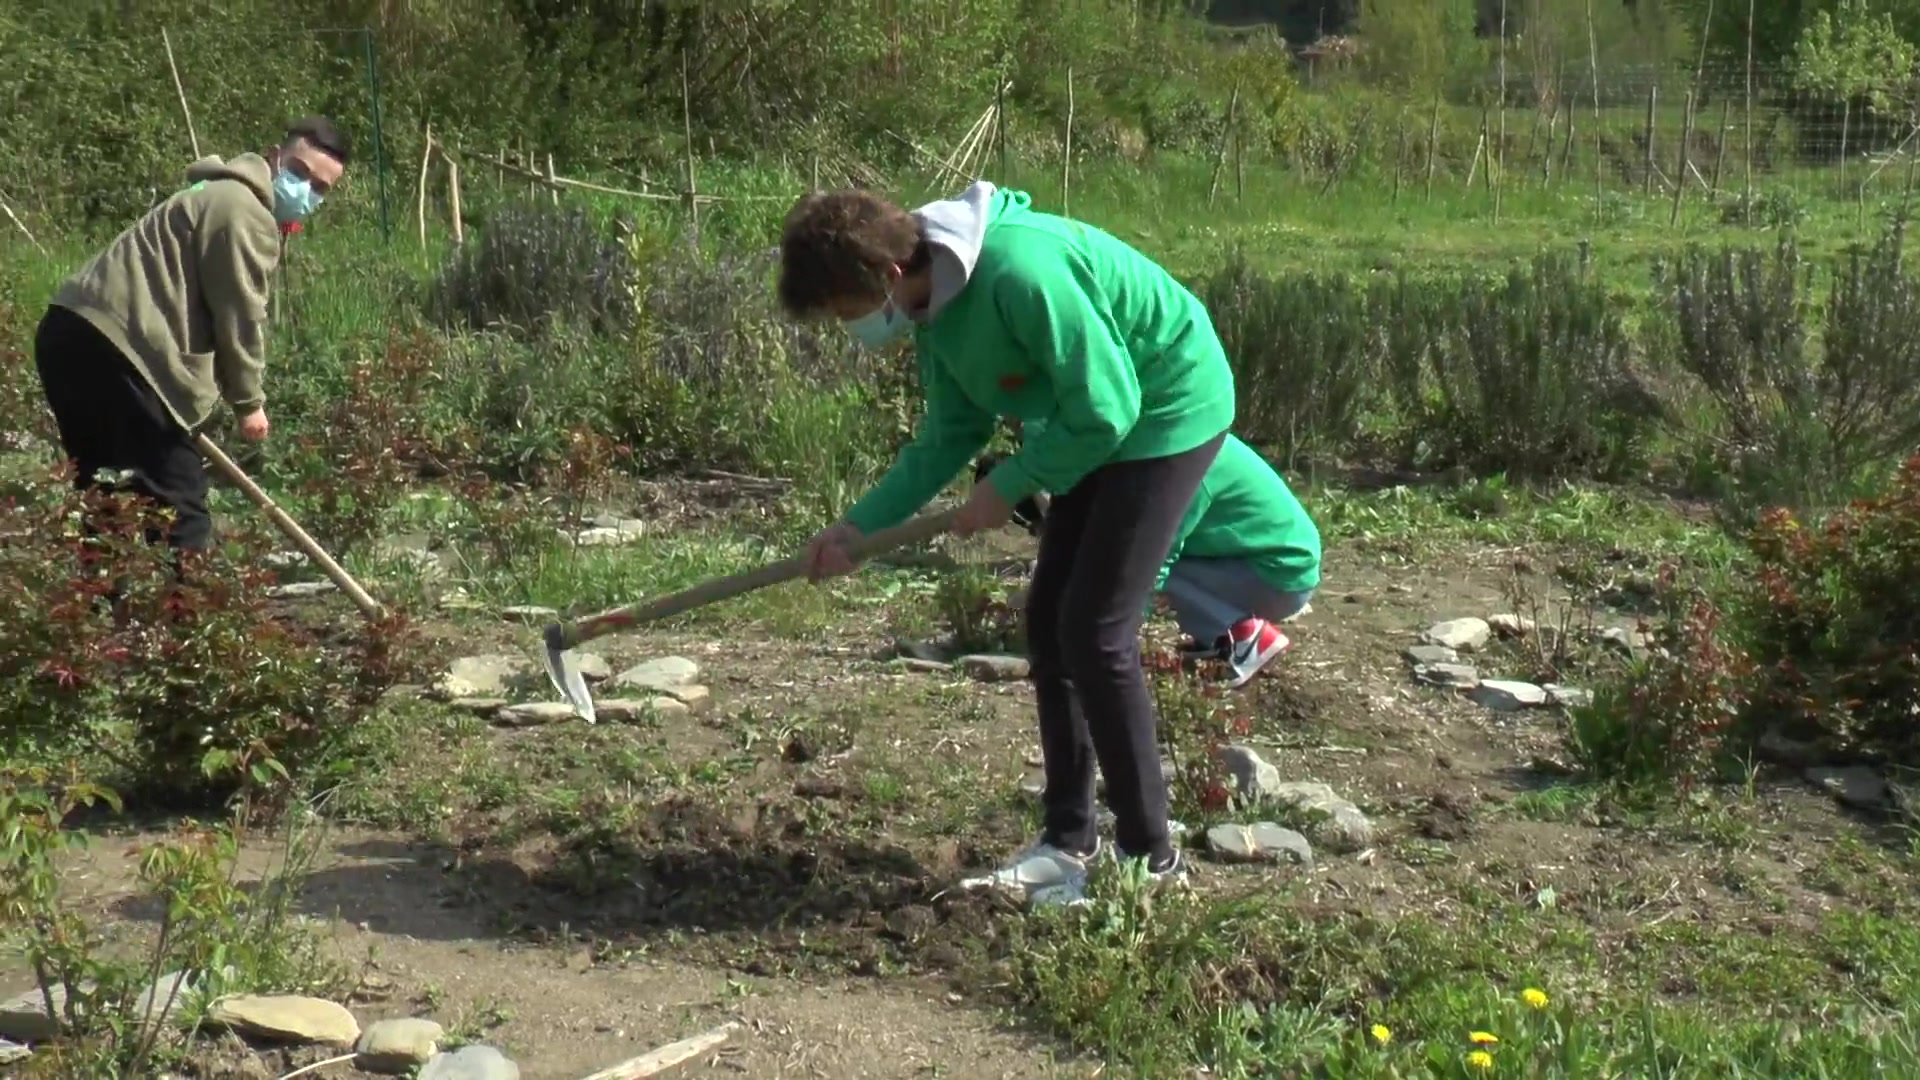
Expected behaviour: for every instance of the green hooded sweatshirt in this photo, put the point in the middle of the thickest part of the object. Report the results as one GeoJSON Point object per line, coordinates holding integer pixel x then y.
{"type": "Point", "coordinates": [182, 293]}
{"type": "Point", "coordinates": [1244, 510]}
{"type": "Point", "coordinates": [1043, 318]}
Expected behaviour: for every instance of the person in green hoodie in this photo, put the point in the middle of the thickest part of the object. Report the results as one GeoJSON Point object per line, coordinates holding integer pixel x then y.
{"type": "Point", "coordinates": [1018, 313]}
{"type": "Point", "coordinates": [1245, 560]}
{"type": "Point", "coordinates": [139, 346]}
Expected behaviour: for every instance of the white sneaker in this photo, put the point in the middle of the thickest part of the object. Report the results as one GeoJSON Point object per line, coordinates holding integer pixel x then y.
{"type": "Point", "coordinates": [1040, 869]}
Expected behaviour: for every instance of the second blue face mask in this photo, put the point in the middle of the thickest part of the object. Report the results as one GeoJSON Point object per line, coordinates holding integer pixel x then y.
{"type": "Point", "coordinates": [880, 327]}
{"type": "Point", "coordinates": [293, 197]}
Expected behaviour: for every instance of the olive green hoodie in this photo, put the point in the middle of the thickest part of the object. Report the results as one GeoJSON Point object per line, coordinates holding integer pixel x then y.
{"type": "Point", "coordinates": [183, 291]}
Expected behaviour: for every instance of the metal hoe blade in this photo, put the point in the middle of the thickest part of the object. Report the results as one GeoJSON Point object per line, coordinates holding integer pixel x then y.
{"type": "Point", "coordinates": [566, 676]}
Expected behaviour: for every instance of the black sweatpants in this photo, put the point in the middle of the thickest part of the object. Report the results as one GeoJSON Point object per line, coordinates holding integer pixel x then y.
{"type": "Point", "coordinates": [111, 419]}
{"type": "Point", "coordinates": [1100, 555]}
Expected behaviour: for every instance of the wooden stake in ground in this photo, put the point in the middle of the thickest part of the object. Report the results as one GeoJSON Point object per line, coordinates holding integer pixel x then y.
{"type": "Point", "coordinates": [686, 124]}
{"type": "Point", "coordinates": [1433, 143]}
{"type": "Point", "coordinates": [1497, 160]}
{"type": "Point", "coordinates": [1653, 99]}
{"type": "Point", "coordinates": [1220, 151]}
{"type": "Point", "coordinates": [1680, 182]}
{"type": "Point", "coordinates": [21, 225]}
{"type": "Point", "coordinates": [420, 190]}
{"type": "Point", "coordinates": [453, 197]}
{"type": "Point", "coordinates": [1066, 158]}
{"type": "Point", "coordinates": [180, 90]}
{"type": "Point", "coordinates": [1747, 204]}
{"type": "Point", "coordinates": [553, 181]}
{"type": "Point", "coordinates": [1399, 157]}
{"type": "Point", "coordinates": [655, 1062]}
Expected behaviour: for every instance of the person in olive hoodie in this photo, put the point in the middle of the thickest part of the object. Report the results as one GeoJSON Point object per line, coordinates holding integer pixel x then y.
{"type": "Point", "coordinates": [1018, 313]}
{"type": "Point", "coordinates": [140, 345]}
{"type": "Point", "coordinates": [1245, 560]}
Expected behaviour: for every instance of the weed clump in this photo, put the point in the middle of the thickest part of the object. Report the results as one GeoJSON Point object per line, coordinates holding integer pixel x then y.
{"type": "Point", "coordinates": [186, 691]}
{"type": "Point", "coordinates": [535, 265]}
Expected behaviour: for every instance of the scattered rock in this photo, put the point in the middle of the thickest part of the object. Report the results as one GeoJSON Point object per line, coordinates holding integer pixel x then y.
{"type": "Point", "coordinates": [24, 1016]}
{"type": "Point", "coordinates": [397, 1046]}
{"type": "Point", "coordinates": [1506, 695]}
{"type": "Point", "coordinates": [286, 1018]}
{"type": "Point", "coordinates": [617, 531]}
{"type": "Point", "coordinates": [633, 710]}
{"type": "Point", "coordinates": [529, 613]}
{"type": "Point", "coordinates": [661, 676]}
{"type": "Point", "coordinates": [475, 1062]}
{"type": "Point", "coordinates": [694, 698]}
{"type": "Point", "coordinates": [300, 590]}
{"type": "Point", "coordinates": [1255, 778]}
{"type": "Point", "coordinates": [1465, 635]}
{"type": "Point", "coordinates": [479, 706]}
{"type": "Point", "coordinates": [169, 994]}
{"type": "Point", "coordinates": [985, 668]}
{"type": "Point", "coordinates": [925, 667]}
{"type": "Point", "coordinates": [1340, 826]}
{"type": "Point", "coordinates": [1782, 750]}
{"type": "Point", "coordinates": [1262, 841]}
{"type": "Point", "coordinates": [1509, 625]}
{"type": "Point", "coordinates": [1035, 784]}
{"type": "Point", "coordinates": [1431, 654]}
{"type": "Point", "coordinates": [1858, 786]}
{"type": "Point", "coordinates": [1622, 639]}
{"type": "Point", "coordinates": [1568, 697]}
{"type": "Point", "coordinates": [536, 713]}
{"type": "Point", "coordinates": [1455, 676]}
{"type": "Point", "coordinates": [592, 666]}
{"type": "Point", "coordinates": [285, 560]}
{"type": "Point", "coordinates": [909, 649]}
{"type": "Point", "coordinates": [490, 675]}
{"type": "Point", "coordinates": [12, 1053]}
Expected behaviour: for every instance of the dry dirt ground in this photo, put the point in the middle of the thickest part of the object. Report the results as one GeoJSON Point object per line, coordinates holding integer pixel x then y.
{"type": "Point", "coordinates": [576, 895]}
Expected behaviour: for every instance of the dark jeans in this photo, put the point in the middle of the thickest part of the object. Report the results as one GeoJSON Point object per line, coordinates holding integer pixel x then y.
{"type": "Point", "coordinates": [109, 418]}
{"type": "Point", "coordinates": [1100, 554]}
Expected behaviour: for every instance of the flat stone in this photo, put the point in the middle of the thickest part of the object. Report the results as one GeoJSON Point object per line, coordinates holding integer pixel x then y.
{"type": "Point", "coordinates": [488, 675]}
{"type": "Point", "coordinates": [1465, 635]}
{"type": "Point", "coordinates": [163, 1001]}
{"type": "Point", "coordinates": [1263, 841]}
{"type": "Point", "coordinates": [529, 613]}
{"type": "Point", "coordinates": [1858, 786]}
{"type": "Point", "coordinates": [1339, 825]}
{"type": "Point", "coordinates": [1252, 775]}
{"type": "Point", "coordinates": [1506, 695]}
{"type": "Point", "coordinates": [12, 1053]}
{"type": "Point", "coordinates": [660, 676]}
{"type": "Point", "coordinates": [1568, 697]}
{"type": "Point", "coordinates": [1455, 676]}
{"type": "Point", "coordinates": [617, 523]}
{"type": "Point", "coordinates": [24, 1016]}
{"type": "Point", "coordinates": [474, 1062]}
{"type": "Point", "coordinates": [285, 560]}
{"type": "Point", "coordinates": [286, 1018]}
{"type": "Point", "coordinates": [925, 667]}
{"type": "Point", "coordinates": [1509, 625]}
{"type": "Point", "coordinates": [1430, 654]}
{"type": "Point", "coordinates": [1034, 784]}
{"type": "Point", "coordinates": [301, 590]}
{"type": "Point", "coordinates": [695, 698]}
{"type": "Point", "coordinates": [536, 713]}
{"type": "Point", "coordinates": [985, 668]}
{"type": "Point", "coordinates": [632, 710]}
{"type": "Point", "coordinates": [592, 666]}
{"type": "Point", "coordinates": [603, 536]}
{"type": "Point", "coordinates": [397, 1046]}
{"type": "Point", "coordinates": [1622, 639]}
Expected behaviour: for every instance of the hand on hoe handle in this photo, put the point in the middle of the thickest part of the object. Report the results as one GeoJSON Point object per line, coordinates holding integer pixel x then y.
{"type": "Point", "coordinates": [830, 553]}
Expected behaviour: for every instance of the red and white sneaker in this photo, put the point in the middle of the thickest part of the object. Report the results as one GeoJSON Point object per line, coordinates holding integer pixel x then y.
{"type": "Point", "coordinates": [1251, 645]}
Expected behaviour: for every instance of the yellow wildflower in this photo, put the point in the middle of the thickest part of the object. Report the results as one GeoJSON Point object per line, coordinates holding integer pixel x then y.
{"type": "Point", "coordinates": [1483, 1038]}
{"type": "Point", "coordinates": [1481, 1060]}
{"type": "Point", "coordinates": [1535, 999]}
{"type": "Point", "coordinates": [1380, 1034]}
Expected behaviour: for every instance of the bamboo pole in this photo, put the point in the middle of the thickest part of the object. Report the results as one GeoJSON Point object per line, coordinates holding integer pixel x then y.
{"type": "Point", "coordinates": [1220, 151]}
{"type": "Point", "coordinates": [420, 189]}
{"type": "Point", "coordinates": [1066, 159]}
{"type": "Point", "coordinates": [1433, 143]}
{"type": "Point", "coordinates": [180, 91]}
{"type": "Point", "coordinates": [453, 197]}
{"type": "Point", "coordinates": [1680, 174]}
{"type": "Point", "coordinates": [686, 127]}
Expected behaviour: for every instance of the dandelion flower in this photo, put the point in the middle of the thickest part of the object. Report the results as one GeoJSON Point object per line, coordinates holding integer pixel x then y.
{"type": "Point", "coordinates": [1380, 1034]}
{"type": "Point", "coordinates": [1481, 1060]}
{"type": "Point", "coordinates": [1483, 1038]}
{"type": "Point", "coordinates": [1535, 999]}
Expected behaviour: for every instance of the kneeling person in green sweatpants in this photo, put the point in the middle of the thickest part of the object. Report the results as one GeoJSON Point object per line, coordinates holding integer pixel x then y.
{"type": "Point", "coordinates": [1245, 559]}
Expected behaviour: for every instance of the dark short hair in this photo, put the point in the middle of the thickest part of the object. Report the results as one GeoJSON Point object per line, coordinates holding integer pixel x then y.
{"type": "Point", "coordinates": [839, 244]}
{"type": "Point", "coordinates": [325, 136]}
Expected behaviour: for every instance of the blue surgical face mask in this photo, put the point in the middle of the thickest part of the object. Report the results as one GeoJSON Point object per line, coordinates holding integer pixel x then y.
{"type": "Point", "coordinates": [293, 197]}
{"type": "Point", "coordinates": [880, 327]}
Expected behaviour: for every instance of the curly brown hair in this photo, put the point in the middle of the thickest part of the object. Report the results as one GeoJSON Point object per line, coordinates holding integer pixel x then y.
{"type": "Point", "coordinates": [838, 245]}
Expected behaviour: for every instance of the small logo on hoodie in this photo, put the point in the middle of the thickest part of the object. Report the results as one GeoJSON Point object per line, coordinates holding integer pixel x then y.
{"type": "Point", "coordinates": [1011, 383]}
